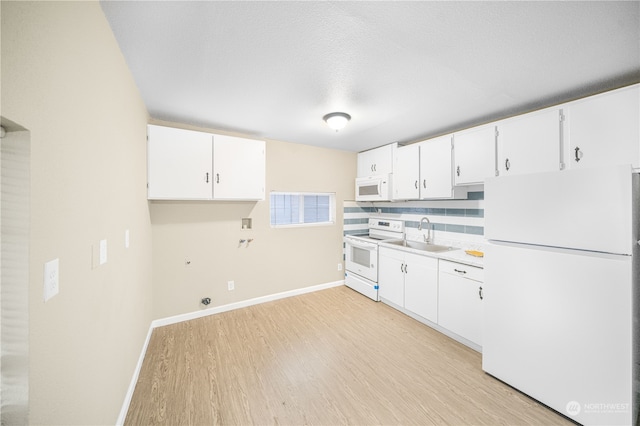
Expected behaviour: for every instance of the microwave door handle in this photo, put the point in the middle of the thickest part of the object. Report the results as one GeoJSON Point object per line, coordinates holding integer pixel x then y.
{"type": "Point", "coordinates": [363, 245]}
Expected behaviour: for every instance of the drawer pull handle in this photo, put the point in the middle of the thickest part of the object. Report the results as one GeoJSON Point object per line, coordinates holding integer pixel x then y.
{"type": "Point", "coordinates": [460, 271]}
{"type": "Point", "coordinates": [578, 154]}
{"type": "Point", "coordinates": [480, 293]}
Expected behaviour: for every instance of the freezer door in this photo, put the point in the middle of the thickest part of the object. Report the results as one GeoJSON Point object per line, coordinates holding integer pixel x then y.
{"type": "Point", "coordinates": [558, 327]}
{"type": "Point", "coordinates": [588, 209]}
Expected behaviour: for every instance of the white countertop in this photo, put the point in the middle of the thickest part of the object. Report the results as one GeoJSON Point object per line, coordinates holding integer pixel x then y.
{"type": "Point", "coordinates": [454, 255]}
{"type": "Point", "coordinates": [459, 255]}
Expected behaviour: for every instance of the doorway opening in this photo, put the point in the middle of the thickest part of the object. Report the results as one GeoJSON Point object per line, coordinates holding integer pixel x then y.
{"type": "Point", "coordinates": [15, 170]}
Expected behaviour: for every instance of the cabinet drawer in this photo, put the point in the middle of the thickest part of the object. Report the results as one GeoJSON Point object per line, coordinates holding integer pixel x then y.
{"type": "Point", "coordinates": [466, 271]}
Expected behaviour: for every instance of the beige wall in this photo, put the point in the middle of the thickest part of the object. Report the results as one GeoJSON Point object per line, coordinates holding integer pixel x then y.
{"type": "Point", "coordinates": [207, 234]}
{"type": "Point", "coordinates": [65, 80]}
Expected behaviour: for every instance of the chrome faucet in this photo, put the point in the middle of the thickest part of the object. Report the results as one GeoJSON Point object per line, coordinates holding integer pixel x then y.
{"type": "Point", "coordinates": [427, 238]}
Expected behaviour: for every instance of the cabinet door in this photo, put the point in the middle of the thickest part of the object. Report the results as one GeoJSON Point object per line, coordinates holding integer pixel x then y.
{"type": "Point", "coordinates": [365, 164]}
{"type": "Point", "coordinates": [421, 286]}
{"type": "Point", "coordinates": [460, 305]}
{"type": "Point", "coordinates": [436, 178]}
{"type": "Point", "coordinates": [239, 168]}
{"type": "Point", "coordinates": [179, 164]}
{"type": "Point", "coordinates": [474, 153]}
{"type": "Point", "coordinates": [529, 143]}
{"type": "Point", "coordinates": [391, 276]}
{"type": "Point", "coordinates": [407, 173]}
{"type": "Point", "coordinates": [604, 130]}
{"type": "Point", "coordinates": [378, 161]}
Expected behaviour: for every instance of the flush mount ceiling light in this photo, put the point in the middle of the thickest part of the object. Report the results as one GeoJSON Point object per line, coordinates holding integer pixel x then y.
{"type": "Point", "coordinates": [337, 120]}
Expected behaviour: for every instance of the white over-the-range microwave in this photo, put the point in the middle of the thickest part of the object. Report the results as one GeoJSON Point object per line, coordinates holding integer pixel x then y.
{"type": "Point", "coordinates": [374, 188]}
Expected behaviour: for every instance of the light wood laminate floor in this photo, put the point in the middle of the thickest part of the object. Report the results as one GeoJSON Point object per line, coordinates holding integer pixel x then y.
{"type": "Point", "coordinates": [325, 358]}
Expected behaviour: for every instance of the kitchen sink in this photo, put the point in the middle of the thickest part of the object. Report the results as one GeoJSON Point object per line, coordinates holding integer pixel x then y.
{"type": "Point", "coordinates": [420, 245]}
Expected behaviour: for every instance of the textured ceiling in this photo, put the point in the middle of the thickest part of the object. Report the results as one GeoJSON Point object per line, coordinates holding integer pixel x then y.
{"type": "Point", "coordinates": [403, 70]}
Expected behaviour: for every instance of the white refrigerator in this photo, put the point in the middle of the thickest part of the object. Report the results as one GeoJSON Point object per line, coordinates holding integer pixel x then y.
{"type": "Point", "coordinates": [561, 290]}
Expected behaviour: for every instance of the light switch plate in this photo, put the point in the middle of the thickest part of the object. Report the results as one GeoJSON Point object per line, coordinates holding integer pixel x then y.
{"type": "Point", "coordinates": [126, 238]}
{"type": "Point", "coordinates": [51, 279]}
{"type": "Point", "coordinates": [103, 252]}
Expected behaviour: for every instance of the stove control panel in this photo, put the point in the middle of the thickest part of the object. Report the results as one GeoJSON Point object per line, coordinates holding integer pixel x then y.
{"type": "Point", "coordinates": [386, 224]}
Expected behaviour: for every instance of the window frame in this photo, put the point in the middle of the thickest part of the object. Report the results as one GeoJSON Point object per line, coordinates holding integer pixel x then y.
{"type": "Point", "coordinates": [301, 223]}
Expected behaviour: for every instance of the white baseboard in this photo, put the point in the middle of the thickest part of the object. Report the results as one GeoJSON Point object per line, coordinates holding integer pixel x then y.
{"type": "Point", "coordinates": [199, 314]}
{"type": "Point", "coordinates": [242, 304]}
{"type": "Point", "coordinates": [134, 380]}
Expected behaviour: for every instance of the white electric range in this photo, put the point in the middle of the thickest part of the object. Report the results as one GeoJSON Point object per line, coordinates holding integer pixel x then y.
{"type": "Point", "coordinates": [361, 255]}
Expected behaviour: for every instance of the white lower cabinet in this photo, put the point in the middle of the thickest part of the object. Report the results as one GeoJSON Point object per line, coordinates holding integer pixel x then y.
{"type": "Point", "coordinates": [445, 293]}
{"type": "Point", "coordinates": [421, 286]}
{"type": "Point", "coordinates": [409, 281]}
{"type": "Point", "coordinates": [460, 300]}
{"type": "Point", "coordinates": [391, 275]}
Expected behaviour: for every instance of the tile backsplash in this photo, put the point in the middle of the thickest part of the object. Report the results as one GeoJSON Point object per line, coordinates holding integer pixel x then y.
{"type": "Point", "coordinates": [452, 221]}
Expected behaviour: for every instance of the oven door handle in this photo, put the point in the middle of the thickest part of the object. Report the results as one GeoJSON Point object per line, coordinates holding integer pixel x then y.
{"type": "Point", "coordinates": [365, 246]}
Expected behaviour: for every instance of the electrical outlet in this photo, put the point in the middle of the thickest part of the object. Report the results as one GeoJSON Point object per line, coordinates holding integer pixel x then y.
{"type": "Point", "coordinates": [51, 279]}
{"type": "Point", "coordinates": [231, 285]}
{"type": "Point", "coordinates": [339, 266]}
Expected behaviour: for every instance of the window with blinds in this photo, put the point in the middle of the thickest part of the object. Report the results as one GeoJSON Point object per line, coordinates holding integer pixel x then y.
{"type": "Point", "coordinates": [302, 208]}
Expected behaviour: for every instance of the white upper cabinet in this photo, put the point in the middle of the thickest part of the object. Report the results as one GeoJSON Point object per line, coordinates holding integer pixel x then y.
{"type": "Point", "coordinates": [423, 171]}
{"type": "Point", "coordinates": [474, 152]}
{"type": "Point", "coordinates": [436, 169]}
{"type": "Point", "coordinates": [530, 143]}
{"type": "Point", "coordinates": [604, 129]}
{"type": "Point", "coordinates": [406, 175]}
{"type": "Point", "coordinates": [239, 168]}
{"type": "Point", "coordinates": [179, 164]}
{"type": "Point", "coordinates": [190, 165]}
{"type": "Point", "coordinates": [378, 161]}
